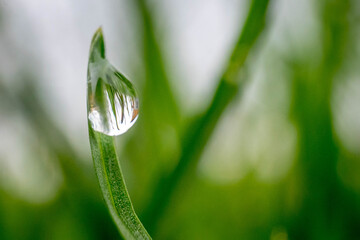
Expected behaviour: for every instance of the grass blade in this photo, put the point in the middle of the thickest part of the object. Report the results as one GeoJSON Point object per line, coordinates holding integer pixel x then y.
{"type": "Point", "coordinates": [109, 173]}
{"type": "Point", "coordinates": [198, 134]}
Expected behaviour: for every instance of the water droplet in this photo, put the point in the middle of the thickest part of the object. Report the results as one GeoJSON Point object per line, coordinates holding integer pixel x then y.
{"type": "Point", "coordinates": [113, 105]}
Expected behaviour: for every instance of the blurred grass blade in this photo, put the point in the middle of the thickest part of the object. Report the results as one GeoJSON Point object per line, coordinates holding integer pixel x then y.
{"type": "Point", "coordinates": [312, 90]}
{"type": "Point", "coordinates": [108, 169]}
{"type": "Point", "coordinates": [158, 92]}
{"type": "Point", "coordinates": [199, 133]}
{"type": "Point", "coordinates": [158, 101]}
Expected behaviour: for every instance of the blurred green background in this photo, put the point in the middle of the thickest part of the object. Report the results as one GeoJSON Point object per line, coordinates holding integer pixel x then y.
{"type": "Point", "coordinates": [282, 162]}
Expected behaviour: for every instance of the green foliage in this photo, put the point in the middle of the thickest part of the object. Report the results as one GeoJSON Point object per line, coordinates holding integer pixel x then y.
{"type": "Point", "coordinates": [161, 157]}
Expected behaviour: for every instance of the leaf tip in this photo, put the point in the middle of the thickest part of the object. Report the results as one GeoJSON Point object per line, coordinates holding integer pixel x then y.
{"type": "Point", "coordinates": [99, 32]}
{"type": "Point", "coordinates": [97, 48]}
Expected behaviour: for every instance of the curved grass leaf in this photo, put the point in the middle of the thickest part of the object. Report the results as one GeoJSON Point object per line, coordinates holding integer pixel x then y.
{"type": "Point", "coordinates": [108, 170]}
{"type": "Point", "coordinates": [198, 134]}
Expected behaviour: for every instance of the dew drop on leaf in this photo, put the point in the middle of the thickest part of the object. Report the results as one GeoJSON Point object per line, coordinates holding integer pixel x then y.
{"type": "Point", "coordinates": [113, 105]}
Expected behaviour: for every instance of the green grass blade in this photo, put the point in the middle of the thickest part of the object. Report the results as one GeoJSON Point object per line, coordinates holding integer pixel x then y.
{"type": "Point", "coordinates": [320, 155]}
{"type": "Point", "coordinates": [109, 173]}
{"type": "Point", "coordinates": [113, 186]}
{"type": "Point", "coordinates": [160, 113]}
{"type": "Point", "coordinates": [199, 133]}
{"type": "Point", "coordinates": [157, 93]}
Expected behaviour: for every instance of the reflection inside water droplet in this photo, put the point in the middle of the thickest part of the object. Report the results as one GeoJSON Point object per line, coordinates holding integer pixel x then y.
{"type": "Point", "coordinates": [113, 106]}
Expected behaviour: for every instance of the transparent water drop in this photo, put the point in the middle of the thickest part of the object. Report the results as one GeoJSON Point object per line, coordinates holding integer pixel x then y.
{"type": "Point", "coordinates": [113, 105]}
